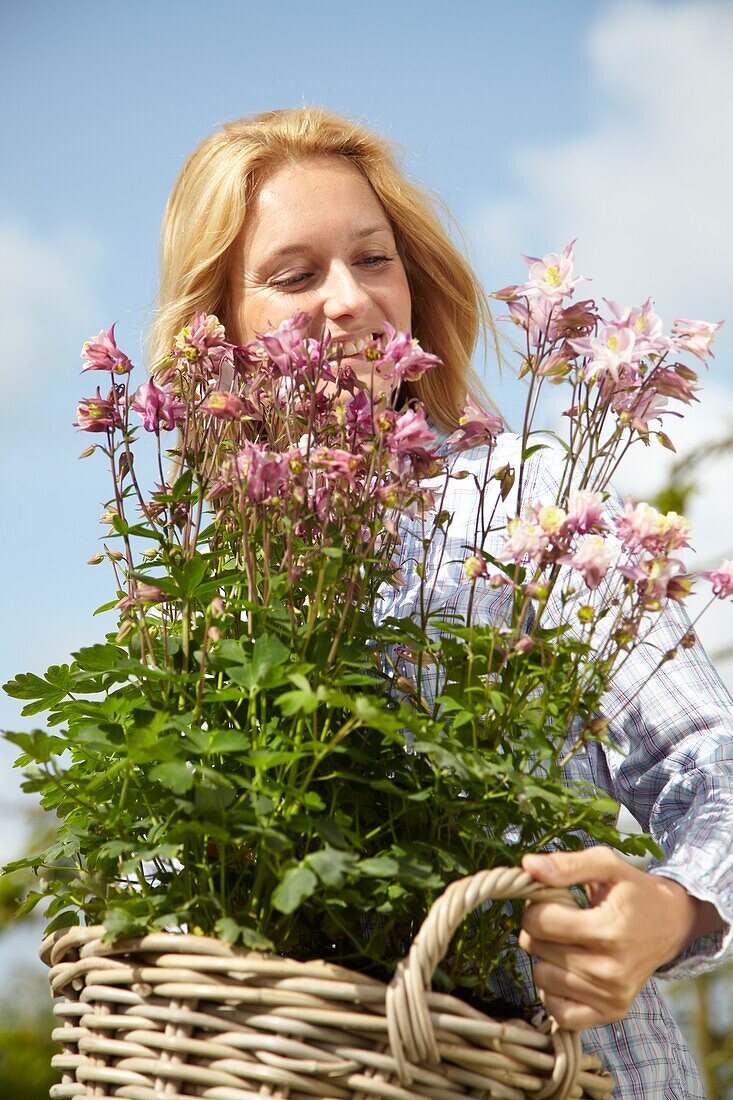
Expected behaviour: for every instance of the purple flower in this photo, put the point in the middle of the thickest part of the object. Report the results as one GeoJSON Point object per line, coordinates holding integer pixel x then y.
{"type": "Point", "coordinates": [159, 407]}
{"type": "Point", "coordinates": [98, 414]}
{"type": "Point", "coordinates": [103, 354]}
{"type": "Point", "coordinates": [478, 428]}
{"type": "Point", "coordinates": [358, 414]}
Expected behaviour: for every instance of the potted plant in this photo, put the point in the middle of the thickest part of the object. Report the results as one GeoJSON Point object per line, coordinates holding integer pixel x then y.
{"type": "Point", "coordinates": [265, 777]}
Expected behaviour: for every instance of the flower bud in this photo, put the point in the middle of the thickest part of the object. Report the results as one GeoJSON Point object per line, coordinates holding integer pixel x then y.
{"type": "Point", "coordinates": [124, 631]}
{"type": "Point", "coordinates": [96, 559]}
{"type": "Point", "coordinates": [475, 567]}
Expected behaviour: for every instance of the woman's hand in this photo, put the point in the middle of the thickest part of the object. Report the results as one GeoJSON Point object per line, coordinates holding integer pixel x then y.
{"type": "Point", "coordinates": [593, 962]}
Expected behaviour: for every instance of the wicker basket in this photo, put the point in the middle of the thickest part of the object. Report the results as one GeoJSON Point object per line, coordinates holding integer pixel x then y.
{"type": "Point", "coordinates": [173, 1015]}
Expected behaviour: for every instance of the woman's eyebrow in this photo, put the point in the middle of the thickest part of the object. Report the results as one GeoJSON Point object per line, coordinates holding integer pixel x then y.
{"type": "Point", "coordinates": [296, 249]}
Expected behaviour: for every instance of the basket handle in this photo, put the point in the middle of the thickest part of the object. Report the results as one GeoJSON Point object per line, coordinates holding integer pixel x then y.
{"type": "Point", "coordinates": [409, 1026]}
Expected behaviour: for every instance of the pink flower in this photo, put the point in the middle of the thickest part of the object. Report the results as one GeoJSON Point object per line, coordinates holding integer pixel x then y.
{"type": "Point", "coordinates": [659, 579]}
{"type": "Point", "coordinates": [536, 318]}
{"type": "Point", "coordinates": [611, 353]}
{"type": "Point", "coordinates": [592, 559]}
{"type": "Point", "coordinates": [585, 511]}
{"type": "Point", "coordinates": [223, 405]}
{"type": "Point", "coordinates": [644, 323]}
{"type": "Point", "coordinates": [103, 354]}
{"type": "Point", "coordinates": [205, 339]}
{"type": "Point", "coordinates": [721, 579]}
{"type": "Point", "coordinates": [288, 346]}
{"type": "Point", "coordinates": [636, 408]}
{"type": "Point", "coordinates": [677, 382]}
{"type": "Point", "coordinates": [258, 473]}
{"type": "Point", "coordinates": [402, 358]}
{"type": "Point", "coordinates": [359, 414]}
{"type": "Point", "coordinates": [98, 414]}
{"type": "Point", "coordinates": [478, 428]}
{"type": "Point", "coordinates": [523, 540]}
{"type": "Point", "coordinates": [159, 407]}
{"type": "Point", "coordinates": [642, 527]}
{"type": "Point", "coordinates": [410, 432]}
{"type": "Point", "coordinates": [336, 463]}
{"type": "Point", "coordinates": [552, 276]}
{"type": "Point", "coordinates": [695, 336]}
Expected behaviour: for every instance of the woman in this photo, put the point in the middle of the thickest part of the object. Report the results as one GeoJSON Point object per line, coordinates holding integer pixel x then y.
{"type": "Point", "coordinates": [300, 210]}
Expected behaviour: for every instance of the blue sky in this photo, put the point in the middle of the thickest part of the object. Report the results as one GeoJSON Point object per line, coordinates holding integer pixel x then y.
{"type": "Point", "coordinates": [535, 122]}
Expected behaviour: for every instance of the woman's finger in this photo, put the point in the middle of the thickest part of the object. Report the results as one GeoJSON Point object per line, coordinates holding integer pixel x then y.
{"type": "Point", "coordinates": [561, 924]}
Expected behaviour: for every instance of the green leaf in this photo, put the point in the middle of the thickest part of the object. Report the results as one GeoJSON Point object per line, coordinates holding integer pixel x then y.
{"type": "Point", "coordinates": [69, 918]}
{"type": "Point", "coordinates": [297, 884]}
{"type": "Point", "coordinates": [379, 867]}
{"type": "Point", "coordinates": [99, 658]}
{"type": "Point", "coordinates": [29, 903]}
{"type": "Point", "coordinates": [269, 652]}
{"type": "Point", "coordinates": [222, 741]}
{"type": "Point", "coordinates": [497, 701]}
{"type": "Point", "coordinates": [331, 865]}
{"type": "Point", "coordinates": [174, 775]}
{"type": "Point", "coordinates": [232, 932]}
{"type": "Point", "coordinates": [191, 575]}
{"type": "Point", "coordinates": [47, 692]}
{"type": "Point", "coordinates": [39, 745]}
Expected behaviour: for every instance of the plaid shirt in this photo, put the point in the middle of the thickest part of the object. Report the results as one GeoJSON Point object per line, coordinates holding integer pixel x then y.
{"type": "Point", "coordinates": [673, 768]}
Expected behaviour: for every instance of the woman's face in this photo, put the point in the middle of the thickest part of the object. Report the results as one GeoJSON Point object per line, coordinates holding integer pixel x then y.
{"type": "Point", "coordinates": [318, 240]}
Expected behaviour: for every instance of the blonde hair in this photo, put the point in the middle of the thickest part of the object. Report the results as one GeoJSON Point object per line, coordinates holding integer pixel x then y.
{"type": "Point", "coordinates": [208, 208]}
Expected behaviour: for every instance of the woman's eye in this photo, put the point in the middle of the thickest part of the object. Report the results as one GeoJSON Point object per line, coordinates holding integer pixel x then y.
{"type": "Point", "coordinates": [290, 280]}
{"type": "Point", "coordinates": [375, 261]}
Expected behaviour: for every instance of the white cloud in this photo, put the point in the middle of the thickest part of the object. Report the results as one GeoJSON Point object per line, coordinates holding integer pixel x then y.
{"type": "Point", "coordinates": [46, 296]}
{"type": "Point", "coordinates": [647, 186]}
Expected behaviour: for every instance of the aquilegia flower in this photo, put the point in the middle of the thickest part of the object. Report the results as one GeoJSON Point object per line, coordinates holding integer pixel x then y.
{"type": "Point", "coordinates": [102, 353]}
{"type": "Point", "coordinates": [159, 406]}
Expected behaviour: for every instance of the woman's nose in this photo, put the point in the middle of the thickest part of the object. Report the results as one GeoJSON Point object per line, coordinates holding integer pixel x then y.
{"type": "Point", "coordinates": [343, 294]}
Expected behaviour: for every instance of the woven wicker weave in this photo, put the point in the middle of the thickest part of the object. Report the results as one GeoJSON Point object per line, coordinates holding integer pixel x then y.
{"type": "Point", "coordinates": [172, 1015]}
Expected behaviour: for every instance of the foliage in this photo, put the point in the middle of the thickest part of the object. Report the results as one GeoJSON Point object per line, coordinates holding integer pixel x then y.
{"type": "Point", "coordinates": [245, 755]}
